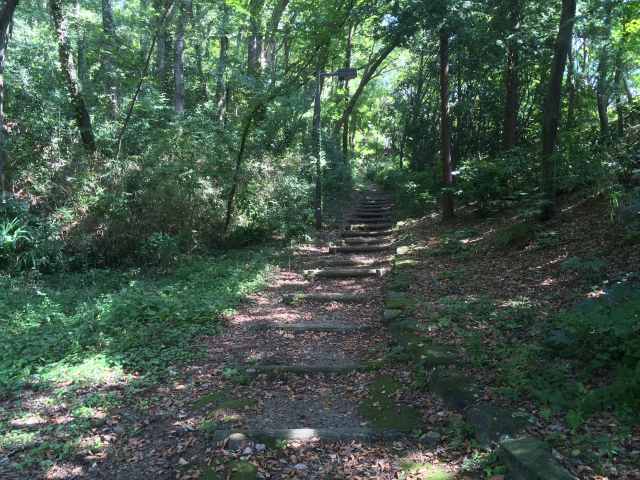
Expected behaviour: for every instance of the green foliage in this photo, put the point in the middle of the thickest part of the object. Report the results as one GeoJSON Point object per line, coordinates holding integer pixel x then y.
{"type": "Point", "coordinates": [588, 269]}
{"type": "Point", "coordinates": [607, 338]}
{"type": "Point", "coordinates": [515, 236]}
{"type": "Point", "coordinates": [492, 181]}
{"type": "Point", "coordinates": [413, 191]}
{"type": "Point", "coordinates": [133, 321]}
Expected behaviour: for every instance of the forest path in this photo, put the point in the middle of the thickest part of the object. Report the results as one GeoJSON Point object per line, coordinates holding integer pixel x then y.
{"type": "Point", "coordinates": [297, 385]}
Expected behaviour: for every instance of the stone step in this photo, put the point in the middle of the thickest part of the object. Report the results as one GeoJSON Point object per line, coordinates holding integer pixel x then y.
{"type": "Point", "coordinates": [340, 261]}
{"type": "Point", "coordinates": [364, 233]}
{"type": "Point", "coordinates": [370, 226]}
{"type": "Point", "coordinates": [344, 273]}
{"type": "Point", "coordinates": [313, 327]}
{"type": "Point", "coordinates": [378, 247]}
{"type": "Point", "coordinates": [371, 219]}
{"type": "Point", "coordinates": [531, 459]}
{"type": "Point", "coordinates": [365, 240]}
{"type": "Point", "coordinates": [324, 297]}
{"type": "Point", "coordinates": [308, 434]}
{"type": "Point", "coordinates": [306, 369]}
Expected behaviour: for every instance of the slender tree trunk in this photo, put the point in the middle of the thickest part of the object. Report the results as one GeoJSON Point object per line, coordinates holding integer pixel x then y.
{"type": "Point", "coordinates": [6, 19]}
{"type": "Point", "coordinates": [69, 73]}
{"type": "Point", "coordinates": [221, 90]}
{"type": "Point", "coordinates": [512, 81]}
{"type": "Point", "coordinates": [551, 111]}
{"type": "Point", "coordinates": [366, 78]}
{"type": "Point", "coordinates": [162, 46]}
{"type": "Point", "coordinates": [108, 54]}
{"type": "Point", "coordinates": [571, 87]}
{"type": "Point", "coordinates": [347, 64]}
{"type": "Point", "coordinates": [271, 42]}
{"type": "Point", "coordinates": [603, 72]}
{"type": "Point", "coordinates": [178, 67]}
{"type": "Point", "coordinates": [445, 138]}
{"type": "Point", "coordinates": [244, 136]}
{"type": "Point", "coordinates": [254, 42]}
{"type": "Point", "coordinates": [618, 97]}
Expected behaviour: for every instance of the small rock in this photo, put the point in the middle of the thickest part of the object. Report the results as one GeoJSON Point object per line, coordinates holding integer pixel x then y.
{"type": "Point", "coordinates": [236, 442]}
{"type": "Point", "coordinates": [182, 462]}
{"type": "Point", "coordinates": [247, 451]}
{"type": "Point", "coordinates": [260, 447]}
{"type": "Point", "coordinates": [300, 467]}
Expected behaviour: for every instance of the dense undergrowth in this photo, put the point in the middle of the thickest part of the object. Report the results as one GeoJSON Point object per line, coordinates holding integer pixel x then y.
{"type": "Point", "coordinates": [69, 326]}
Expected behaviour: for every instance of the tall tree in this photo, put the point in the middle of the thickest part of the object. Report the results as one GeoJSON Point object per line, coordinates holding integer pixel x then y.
{"type": "Point", "coordinates": [221, 88]}
{"type": "Point", "coordinates": [512, 82]}
{"type": "Point", "coordinates": [178, 66]}
{"type": "Point", "coordinates": [602, 87]}
{"type": "Point", "coordinates": [83, 119]}
{"type": "Point", "coordinates": [552, 103]}
{"type": "Point", "coordinates": [254, 41]}
{"type": "Point", "coordinates": [6, 18]}
{"type": "Point", "coordinates": [445, 135]}
{"type": "Point", "coordinates": [108, 53]}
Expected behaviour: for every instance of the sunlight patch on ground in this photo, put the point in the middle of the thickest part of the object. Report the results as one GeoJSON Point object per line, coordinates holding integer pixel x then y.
{"type": "Point", "coordinates": [94, 370]}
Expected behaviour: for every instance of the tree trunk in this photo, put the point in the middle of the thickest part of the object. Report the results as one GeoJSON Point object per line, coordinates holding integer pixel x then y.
{"type": "Point", "coordinates": [178, 67]}
{"type": "Point", "coordinates": [445, 140]}
{"type": "Point", "coordinates": [618, 97]}
{"type": "Point", "coordinates": [572, 93]}
{"type": "Point", "coordinates": [347, 64]}
{"type": "Point", "coordinates": [368, 74]}
{"type": "Point", "coordinates": [221, 96]}
{"type": "Point", "coordinates": [271, 44]}
{"type": "Point", "coordinates": [6, 19]}
{"type": "Point", "coordinates": [602, 86]}
{"type": "Point", "coordinates": [162, 46]}
{"type": "Point", "coordinates": [108, 54]}
{"type": "Point", "coordinates": [551, 111]}
{"type": "Point", "coordinates": [512, 82]}
{"type": "Point", "coordinates": [69, 73]}
{"type": "Point", "coordinates": [254, 42]}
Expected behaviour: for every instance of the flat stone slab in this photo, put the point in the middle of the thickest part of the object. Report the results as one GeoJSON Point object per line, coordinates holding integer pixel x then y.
{"type": "Point", "coordinates": [378, 247]}
{"type": "Point", "coordinates": [370, 227]}
{"type": "Point", "coordinates": [324, 297]}
{"type": "Point", "coordinates": [326, 327]}
{"type": "Point", "coordinates": [366, 240]}
{"type": "Point", "coordinates": [306, 369]}
{"type": "Point", "coordinates": [455, 390]}
{"type": "Point", "coordinates": [360, 233]}
{"type": "Point", "coordinates": [531, 459]}
{"type": "Point", "coordinates": [492, 424]}
{"type": "Point", "coordinates": [322, 434]}
{"type": "Point", "coordinates": [344, 272]}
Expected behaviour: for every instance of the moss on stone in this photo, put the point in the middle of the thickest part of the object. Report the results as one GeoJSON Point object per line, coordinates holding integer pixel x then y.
{"type": "Point", "coordinates": [382, 411]}
{"type": "Point", "coordinates": [243, 471]}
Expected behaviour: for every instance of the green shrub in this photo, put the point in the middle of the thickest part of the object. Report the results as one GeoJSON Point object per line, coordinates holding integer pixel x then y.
{"type": "Point", "coordinates": [515, 236]}
{"type": "Point", "coordinates": [606, 341]}
{"type": "Point", "coordinates": [588, 268]}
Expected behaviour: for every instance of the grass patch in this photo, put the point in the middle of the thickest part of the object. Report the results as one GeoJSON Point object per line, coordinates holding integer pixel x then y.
{"type": "Point", "coordinates": [66, 339]}
{"type": "Point", "coordinates": [92, 326]}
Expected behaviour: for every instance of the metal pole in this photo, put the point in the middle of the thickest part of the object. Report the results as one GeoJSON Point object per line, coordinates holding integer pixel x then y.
{"type": "Point", "coordinates": [316, 151]}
